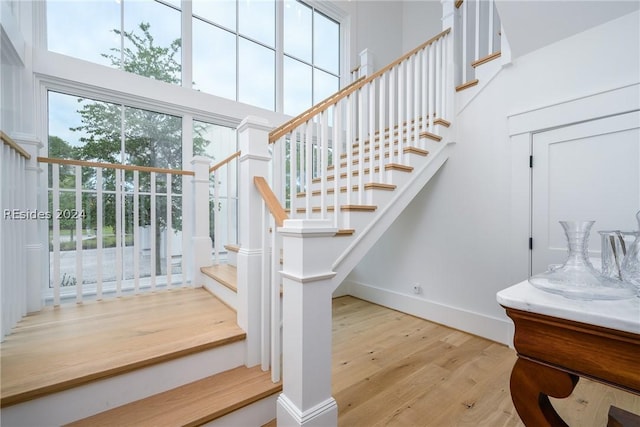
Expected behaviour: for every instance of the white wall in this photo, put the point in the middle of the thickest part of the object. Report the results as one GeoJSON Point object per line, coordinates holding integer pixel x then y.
{"type": "Point", "coordinates": [464, 237]}
{"type": "Point", "coordinates": [421, 20]}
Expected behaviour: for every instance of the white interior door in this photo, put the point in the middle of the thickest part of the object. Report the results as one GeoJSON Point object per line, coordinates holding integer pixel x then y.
{"type": "Point", "coordinates": [587, 171]}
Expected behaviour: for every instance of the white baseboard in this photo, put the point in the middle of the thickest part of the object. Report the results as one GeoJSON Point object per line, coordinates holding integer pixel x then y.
{"type": "Point", "coordinates": [492, 328]}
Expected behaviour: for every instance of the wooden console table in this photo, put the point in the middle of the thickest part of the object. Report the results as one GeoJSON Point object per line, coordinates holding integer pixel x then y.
{"type": "Point", "coordinates": [559, 340]}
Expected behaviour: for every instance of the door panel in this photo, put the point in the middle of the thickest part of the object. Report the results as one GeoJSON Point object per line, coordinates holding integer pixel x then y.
{"type": "Point", "coordinates": [586, 171]}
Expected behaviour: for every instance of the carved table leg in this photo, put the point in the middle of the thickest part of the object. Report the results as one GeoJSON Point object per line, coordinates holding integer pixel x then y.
{"type": "Point", "coordinates": [531, 386]}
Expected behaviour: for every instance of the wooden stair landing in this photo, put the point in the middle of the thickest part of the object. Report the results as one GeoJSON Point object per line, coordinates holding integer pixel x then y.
{"type": "Point", "coordinates": [192, 404]}
{"type": "Point", "coordinates": [60, 348]}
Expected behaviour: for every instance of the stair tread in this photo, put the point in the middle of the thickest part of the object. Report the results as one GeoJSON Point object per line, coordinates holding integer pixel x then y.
{"type": "Point", "coordinates": [192, 404]}
{"type": "Point", "coordinates": [225, 274]}
{"type": "Point", "coordinates": [107, 338]}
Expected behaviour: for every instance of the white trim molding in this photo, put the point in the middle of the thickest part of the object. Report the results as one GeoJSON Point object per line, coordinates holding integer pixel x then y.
{"type": "Point", "coordinates": [495, 329]}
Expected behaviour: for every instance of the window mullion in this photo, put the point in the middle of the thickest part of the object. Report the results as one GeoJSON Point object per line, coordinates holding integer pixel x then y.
{"type": "Point", "coordinates": [279, 56]}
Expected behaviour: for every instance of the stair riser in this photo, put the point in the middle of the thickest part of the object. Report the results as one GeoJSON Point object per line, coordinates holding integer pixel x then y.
{"type": "Point", "coordinates": [256, 414]}
{"type": "Point", "coordinates": [98, 396]}
{"type": "Point", "coordinates": [225, 294]}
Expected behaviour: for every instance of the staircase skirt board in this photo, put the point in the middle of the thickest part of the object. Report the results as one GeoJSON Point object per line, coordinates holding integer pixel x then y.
{"type": "Point", "coordinates": [192, 404]}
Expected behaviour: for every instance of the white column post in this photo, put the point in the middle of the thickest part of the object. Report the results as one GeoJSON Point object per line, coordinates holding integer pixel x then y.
{"type": "Point", "coordinates": [253, 139]}
{"type": "Point", "coordinates": [366, 63]}
{"type": "Point", "coordinates": [306, 337]}
{"type": "Point", "coordinates": [202, 246]}
{"type": "Point", "coordinates": [35, 249]}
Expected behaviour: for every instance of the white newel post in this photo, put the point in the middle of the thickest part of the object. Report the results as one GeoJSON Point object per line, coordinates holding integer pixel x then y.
{"type": "Point", "coordinates": [366, 63]}
{"type": "Point", "coordinates": [35, 249]}
{"type": "Point", "coordinates": [306, 337]}
{"type": "Point", "coordinates": [253, 139]}
{"type": "Point", "coordinates": [202, 246]}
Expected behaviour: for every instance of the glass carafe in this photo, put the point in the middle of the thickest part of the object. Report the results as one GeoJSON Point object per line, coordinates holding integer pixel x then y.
{"type": "Point", "coordinates": [630, 269]}
{"type": "Point", "coordinates": [577, 278]}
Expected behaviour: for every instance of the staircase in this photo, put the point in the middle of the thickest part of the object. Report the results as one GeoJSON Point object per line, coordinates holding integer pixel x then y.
{"type": "Point", "coordinates": [314, 194]}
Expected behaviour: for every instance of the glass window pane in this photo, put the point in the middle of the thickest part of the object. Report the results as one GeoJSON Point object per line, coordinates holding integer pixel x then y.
{"type": "Point", "coordinates": [326, 43]}
{"type": "Point", "coordinates": [214, 60]}
{"type": "Point", "coordinates": [83, 32]}
{"type": "Point", "coordinates": [256, 75]}
{"type": "Point", "coordinates": [324, 85]}
{"type": "Point", "coordinates": [152, 139]}
{"type": "Point", "coordinates": [155, 27]}
{"type": "Point", "coordinates": [257, 20]}
{"type": "Point", "coordinates": [222, 12]}
{"type": "Point", "coordinates": [297, 86]}
{"type": "Point", "coordinates": [297, 30]}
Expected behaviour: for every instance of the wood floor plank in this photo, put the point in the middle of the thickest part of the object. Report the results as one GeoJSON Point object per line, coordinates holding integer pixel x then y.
{"type": "Point", "coordinates": [62, 347]}
{"type": "Point", "coordinates": [393, 369]}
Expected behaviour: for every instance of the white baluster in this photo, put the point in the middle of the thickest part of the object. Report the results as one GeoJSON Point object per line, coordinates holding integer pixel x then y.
{"type": "Point", "coordinates": [136, 232]}
{"type": "Point", "coordinates": [465, 54]}
{"type": "Point", "coordinates": [392, 112]}
{"type": "Point", "coordinates": [324, 162]}
{"type": "Point", "coordinates": [56, 233]}
{"type": "Point", "coordinates": [490, 48]}
{"type": "Point", "coordinates": [293, 167]}
{"type": "Point", "coordinates": [119, 244]}
{"type": "Point", "coordinates": [78, 211]}
{"type": "Point", "coordinates": [168, 231]}
{"type": "Point", "coordinates": [308, 165]}
{"type": "Point", "coordinates": [477, 32]}
{"type": "Point", "coordinates": [372, 131]}
{"type": "Point", "coordinates": [152, 231]}
{"type": "Point", "coordinates": [99, 231]}
{"type": "Point", "coordinates": [337, 159]}
{"type": "Point", "coordinates": [216, 218]}
{"type": "Point", "coordinates": [401, 113]}
{"type": "Point", "coordinates": [349, 138]}
{"type": "Point", "coordinates": [382, 106]}
{"type": "Point", "coordinates": [361, 137]}
{"type": "Point", "coordinates": [432, 94]}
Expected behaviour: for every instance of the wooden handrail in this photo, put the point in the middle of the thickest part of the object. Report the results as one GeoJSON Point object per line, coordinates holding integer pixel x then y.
{"type": "Point", "coordinates": [348, 90]}
{"type": "Point", "coordinates": [287, 127]}
{"type": "Point", "coordinates": [458, 3]}
{"type": "Point", "coordinates": [271, 200]}
{"type": "Point", "coordinates": [224, 162]}
{"type": "Point", "coordinates": [113, 166]}
{"type": "Point", "coordinates": [6, 139]}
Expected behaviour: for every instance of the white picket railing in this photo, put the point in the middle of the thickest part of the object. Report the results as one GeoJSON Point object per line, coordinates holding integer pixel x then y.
{"type": "Point", "coordinates": [480, 35]}
{"type": "Point", "coordinates": [13, 232]}
{"type": "Point", "coordinates": [402, 102]}
{"type": "Point", "coordinates": [224, 216]}
{"type": "Point", "coordinates": [116, 197]}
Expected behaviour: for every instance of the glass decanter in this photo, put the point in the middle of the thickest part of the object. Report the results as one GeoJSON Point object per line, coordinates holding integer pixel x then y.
{"type": "Point", "coordinates": [630, 269]}
{"type": "Point", "coordinates": [577, 278]}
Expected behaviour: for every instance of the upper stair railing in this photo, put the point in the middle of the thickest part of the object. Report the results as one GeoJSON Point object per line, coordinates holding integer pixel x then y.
{"type": "Point", "coordinates": [224, 205]}
{"type": "Point", "coordinates": [402, 103]}
{"type": "Point", "coordinates": [121, 225]}
{"type": "Point", "coordinates": [478, 38]}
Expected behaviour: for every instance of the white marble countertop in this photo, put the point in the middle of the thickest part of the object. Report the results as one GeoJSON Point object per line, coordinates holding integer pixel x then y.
{"type": "Point", "coordinates": [623, 315]}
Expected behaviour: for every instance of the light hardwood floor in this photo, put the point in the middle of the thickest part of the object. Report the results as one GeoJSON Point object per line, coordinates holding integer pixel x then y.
{"type": "Point", "coordinates": [58, 348]}
{"type": "Point", "coordinates": [393, 369]}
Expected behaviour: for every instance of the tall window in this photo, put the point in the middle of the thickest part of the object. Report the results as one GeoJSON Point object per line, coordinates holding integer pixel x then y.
{"type": "Point", "coordinates": [311, 57]}
{"type": "Point", "coordinates": [97, 31]}
{"type": "Point", "coordinates": [234, 48]}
